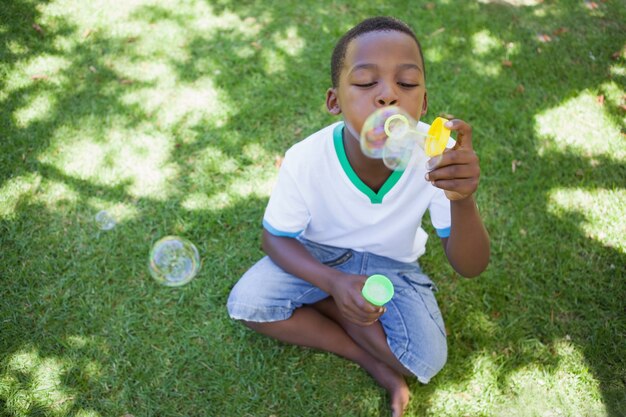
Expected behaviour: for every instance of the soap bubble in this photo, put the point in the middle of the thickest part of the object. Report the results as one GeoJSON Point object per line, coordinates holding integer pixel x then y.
{"type": "Point", "coordinates": [391, 134]}
{"type": "Point", "coordinates": [376, 130]}
{"type": "Point", "coordinates": [174, 261]}
{"type": "Point", "coordinates": [400, 151]}
{"type": "Point", "coordinates": [104, 220]}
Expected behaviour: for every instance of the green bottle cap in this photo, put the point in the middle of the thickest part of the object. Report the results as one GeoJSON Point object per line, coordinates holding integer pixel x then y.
{"type": "Point", "coordinates": [378, 290]}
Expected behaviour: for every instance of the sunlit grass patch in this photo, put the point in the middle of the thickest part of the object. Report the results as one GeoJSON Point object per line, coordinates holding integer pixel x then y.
{"type": "Point", "coordinates": [14, 190]}
{"type": "Point", "coordinates": [137, 159]}
{"type": "Point", "coordinates": [173, 104]}
{"type": "Point", "coordinates": [568, 391]}
{"type": "Point", "coordinates": [474, 396]}
{"type": "Point", "coordinates": [580, 123]}
{"type": "Point", "coordinates": [598, 212]}
{"type": "Point", "coordinates": [32, 382]}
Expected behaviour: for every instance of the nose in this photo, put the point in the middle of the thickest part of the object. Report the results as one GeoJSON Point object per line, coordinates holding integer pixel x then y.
{"type": "Point", "coordinates": [387, 96]}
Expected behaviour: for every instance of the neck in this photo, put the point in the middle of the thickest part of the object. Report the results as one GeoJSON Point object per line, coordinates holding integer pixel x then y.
{"type": "Point", "coordinates": [372, 172]}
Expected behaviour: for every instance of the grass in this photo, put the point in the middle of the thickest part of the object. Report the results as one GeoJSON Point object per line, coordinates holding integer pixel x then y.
{"type": "Point", "coordinates": [172, 115]}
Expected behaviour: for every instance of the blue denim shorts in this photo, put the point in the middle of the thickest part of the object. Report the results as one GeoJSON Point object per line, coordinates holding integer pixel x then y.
{"type": "Point", "coordinates": [413, 323]}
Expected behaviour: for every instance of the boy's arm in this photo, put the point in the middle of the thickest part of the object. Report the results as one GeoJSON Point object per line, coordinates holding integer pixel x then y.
{"type": "Point", "coordinates": [294, 258]}
{"type": "Point", "coordinates": [467, 248]}
{"type": "Point", "coordinates": [457, 172]}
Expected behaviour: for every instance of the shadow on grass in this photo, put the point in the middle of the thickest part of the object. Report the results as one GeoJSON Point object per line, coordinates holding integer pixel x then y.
{"type": "Point", "coordinates": [116, 343]}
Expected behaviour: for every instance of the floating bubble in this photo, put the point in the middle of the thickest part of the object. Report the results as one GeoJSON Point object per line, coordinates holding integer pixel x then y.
{"type": "Point", "coordinates": [174, 261]}
{"type": "Point", "coordinates": [392, 135]}
{"type": "Point", "coordinates": [377, 129]}
{"type": "Point", "coordinates": [104, 220]}
{"type": "Point", "coordinates": [399, 151]}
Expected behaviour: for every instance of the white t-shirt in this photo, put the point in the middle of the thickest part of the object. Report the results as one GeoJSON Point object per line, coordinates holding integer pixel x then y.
{"type": "Point", "coordinates": [319, 196]}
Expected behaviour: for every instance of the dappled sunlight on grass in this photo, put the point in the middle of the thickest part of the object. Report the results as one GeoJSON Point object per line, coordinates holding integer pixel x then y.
{"type": "Point", "coordinates": [35, 382]}
{"type": "Point", "coordinates": [289, 41]}
{"type": "Point", "coordinates": [120, 212]}
{"type": "Point", "coordinates": [570, 390]}
{"type": "Point", "coordinates": [229, 182]}
{"type": "Point", "coordinates": [173, 117]}
{"type": "Point", "coordinates": [484, 42]}
{"type": "Point", "coordinates": [596, 211]}
{"type": "Point", "coordinates": [580, 123]}
{"type": "Point", "coordinates": [87, 413]}
{"type": "Point", "coordinates": [177, 104]}
{"type": "Point", "coordinates": [288, 44]}
{"type": "Point", "coordinates": [14, 190]}
{"type": "Point", "coordinates": [517, 3]}
{"type": "Point", "coordinates": [54, 194]}
{"type": "Point", "coordinates": [49, 68]}
{"type": "Point", "coordinates": [567, 389]}
{"type": "Point", "coordinates": [37, 110]}
{"type": "Point", "coordinates": [474, 395]}
{"type": "Point", "coordinates": [138, 158]}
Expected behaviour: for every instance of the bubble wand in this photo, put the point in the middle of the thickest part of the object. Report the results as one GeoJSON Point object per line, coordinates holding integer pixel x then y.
{"type": "Point", "coordinates": [392, 135]}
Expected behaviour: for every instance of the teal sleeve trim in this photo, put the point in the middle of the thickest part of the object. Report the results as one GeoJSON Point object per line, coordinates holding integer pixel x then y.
{"type": "Point", "coordinates": [279, 233]}
{"type": "Point", "coordinates": [443, 232]}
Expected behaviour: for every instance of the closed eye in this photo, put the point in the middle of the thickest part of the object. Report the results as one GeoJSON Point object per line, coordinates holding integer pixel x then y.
{"type": "Point", "coordinates": [408, 85]}
{"type": "Point", "coordinates": [366, 85]}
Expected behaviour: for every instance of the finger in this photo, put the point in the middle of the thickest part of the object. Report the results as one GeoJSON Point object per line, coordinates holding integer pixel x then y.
{"type": "Point", "coordinates": [464, 133]}
{"type": "Point", "coordinates": [369, 316]}
{"type": "Point", "coordinates": [456, 171]}
{"type": "Point", "coordinates": [461, 186]}
{"type": "Point", "coordinates": [362, 312]}
{"type": "Point", "coordinates": [452, 157]}
{"type": "Point", "coordinates": [360, 321]}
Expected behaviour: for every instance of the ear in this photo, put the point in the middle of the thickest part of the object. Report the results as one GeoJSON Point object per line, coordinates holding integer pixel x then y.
{"type": "Point", "coordinates": [332, 102]}
{"type": "Point", "coordinates": [425, 104]}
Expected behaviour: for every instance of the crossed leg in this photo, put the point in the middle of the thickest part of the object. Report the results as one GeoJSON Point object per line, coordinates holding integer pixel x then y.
{"type": "Point", "coordinates": [321, 326]}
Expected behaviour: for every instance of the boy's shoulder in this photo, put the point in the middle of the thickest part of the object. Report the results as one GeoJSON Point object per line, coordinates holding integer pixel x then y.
{"type": "Point", "coordinates": [315, 144]}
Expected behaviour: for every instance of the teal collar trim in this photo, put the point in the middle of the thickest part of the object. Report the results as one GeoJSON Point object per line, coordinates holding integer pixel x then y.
{"type": "Point", "coordinates": [375, 198]}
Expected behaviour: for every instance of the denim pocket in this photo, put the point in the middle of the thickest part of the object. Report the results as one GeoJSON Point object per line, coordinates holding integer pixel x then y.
{"type": "Point", "coordinates": [425, 288]}
{"type": "Point", "coordinates": [417, 278]}
{"type": "Point", "coordinates": [328, 255]}
{"type": "Point", "coordinates": [339, 261]}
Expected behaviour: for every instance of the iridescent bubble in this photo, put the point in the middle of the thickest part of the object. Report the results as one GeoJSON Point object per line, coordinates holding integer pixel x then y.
{"type": "Point", "coordinates": [376, 129]}
{"type": "Point", "coordinates": [397, 151]}
{"type": "Point", "coordinates": [174, 261]}
{"type": "Point", "coordinates": [104, 220]}
{"type": "Point", "coordinates": [391, 134]}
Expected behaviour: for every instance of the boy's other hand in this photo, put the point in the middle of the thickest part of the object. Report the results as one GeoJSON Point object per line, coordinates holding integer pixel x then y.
{"type": "Point", "coordinates": [346, 292]}
{"type": "Point", "coordinates": [457, 170]}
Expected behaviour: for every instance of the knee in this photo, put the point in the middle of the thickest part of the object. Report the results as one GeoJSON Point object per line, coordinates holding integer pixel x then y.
{"type": "Point", "coordinates": [432, 362]}
{"type": "Point", "coordinates": [239, 295]}
{"type": "Point", "coordinates": [243, 293]}
{"type": "Point", "coordinates": [439, 358]}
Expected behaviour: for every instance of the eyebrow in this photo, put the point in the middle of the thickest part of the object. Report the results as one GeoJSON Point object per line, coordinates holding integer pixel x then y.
{"type": "Point", "coordinates": [367, 66]}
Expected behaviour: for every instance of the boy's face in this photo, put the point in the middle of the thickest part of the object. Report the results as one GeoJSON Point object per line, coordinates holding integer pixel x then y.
{"type": "Point", "coordinates": [380, 69]}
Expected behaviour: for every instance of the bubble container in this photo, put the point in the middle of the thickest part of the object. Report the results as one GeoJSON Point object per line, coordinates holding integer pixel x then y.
{"type": "Point", "coordinates": [392, 135]}
{"type": "Point", "coordinates": [174, 261]}
{"type": "Point", "coordinates": [378, 290]}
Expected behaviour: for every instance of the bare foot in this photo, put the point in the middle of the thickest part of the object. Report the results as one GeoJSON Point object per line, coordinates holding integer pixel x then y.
{"type": "Point", "coordinates": [395, 385]}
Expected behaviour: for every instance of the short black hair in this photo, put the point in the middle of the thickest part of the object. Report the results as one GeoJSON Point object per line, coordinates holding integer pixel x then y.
{"type": "Point", "coordinates": [372, 24]}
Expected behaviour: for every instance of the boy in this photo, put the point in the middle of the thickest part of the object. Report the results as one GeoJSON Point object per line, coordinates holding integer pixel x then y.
{"type": "Point", "coordinates": [336, 216]}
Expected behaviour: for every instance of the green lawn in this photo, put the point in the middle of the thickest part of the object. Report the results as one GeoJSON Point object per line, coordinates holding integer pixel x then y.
{"type": "Point", "coordinates": [172, 115]}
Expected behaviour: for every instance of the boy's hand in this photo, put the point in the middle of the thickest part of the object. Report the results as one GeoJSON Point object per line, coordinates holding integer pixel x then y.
{"type": "Point", "coordinates": [456, 171]}
{"type": "Point", "coordinates": [347, 295]}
